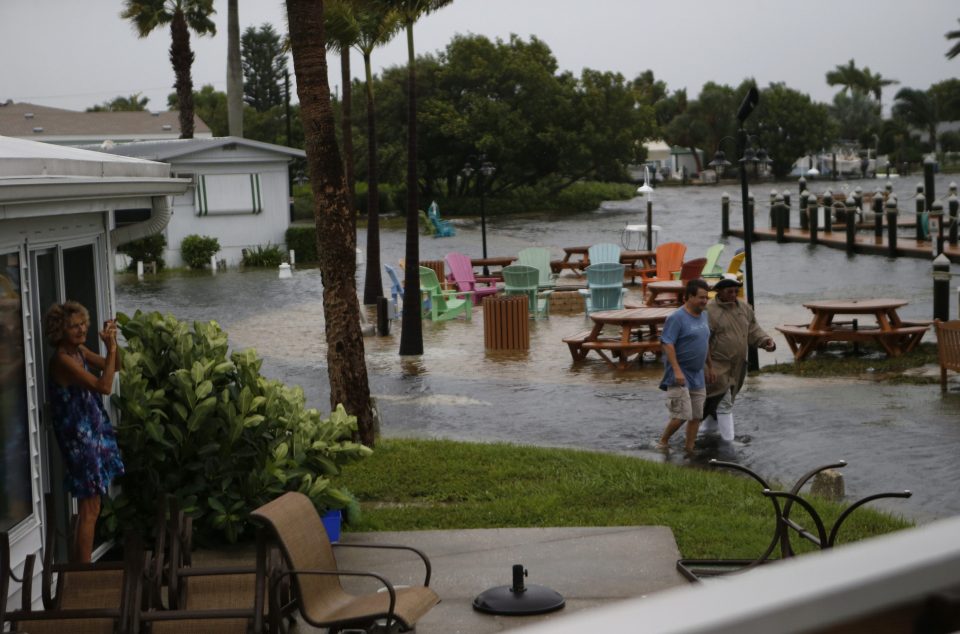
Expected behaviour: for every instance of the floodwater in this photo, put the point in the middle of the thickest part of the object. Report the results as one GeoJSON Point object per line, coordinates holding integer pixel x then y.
{"type": "Point", "coordinates": [893, 437]}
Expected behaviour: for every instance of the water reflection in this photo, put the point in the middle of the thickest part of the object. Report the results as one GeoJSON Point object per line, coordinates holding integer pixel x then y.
{"type": "Point", "coordinates": [894, 437]}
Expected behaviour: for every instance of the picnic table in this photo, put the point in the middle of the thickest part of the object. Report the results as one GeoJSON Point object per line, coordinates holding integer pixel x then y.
{"type": "Point", "coordinates": [669, 292]}
{"type": "Point", "coordinates": [639, 332]}
{"type": "Point", "coordinates": [486, 263]}
{"type": "Point", "coordinates": [894, 335]}
{"type": "Point", "coordinates": [578, 258]}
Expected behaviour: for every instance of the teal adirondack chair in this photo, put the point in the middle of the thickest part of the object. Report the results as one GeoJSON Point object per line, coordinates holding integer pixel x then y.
{"type": "Point", "coordinates": [711, 268]}
{"type": "Point", "coordinates": [519, 279]}
{"type": "Point", "coordinates": [604, 252]}
{"type": "Point", "coordinates": [605, 289]}
{"type": "Point", "coordinates": [539, 258]}
{"type": "Point", "coordinates": [444, 305]}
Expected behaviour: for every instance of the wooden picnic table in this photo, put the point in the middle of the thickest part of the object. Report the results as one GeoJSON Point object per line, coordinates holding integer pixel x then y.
{"type": "Point", "coordinates": [639, 333]}
{"type": "Point", "coordinates": [669, 292]}
{"type": "Point", "coordinates": [893, 334]}
{"type": "Point", "coordinates": [499, 261]}
{"type": "Point", "coordinates": [578, 258]}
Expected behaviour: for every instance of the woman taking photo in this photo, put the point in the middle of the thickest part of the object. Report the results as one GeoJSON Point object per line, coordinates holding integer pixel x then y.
{"type": "Point", "coordinates": [80, 422]}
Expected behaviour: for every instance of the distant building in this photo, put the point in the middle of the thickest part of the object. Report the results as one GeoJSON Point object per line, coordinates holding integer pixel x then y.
{"type": "Point", "coordinates": [240, 193]}
{"type": "Point", "coordinates": [69, 127]}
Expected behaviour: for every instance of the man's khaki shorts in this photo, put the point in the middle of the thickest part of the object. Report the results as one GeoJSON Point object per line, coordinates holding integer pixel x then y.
{"type": "Point", "coordinates": [685, 404]}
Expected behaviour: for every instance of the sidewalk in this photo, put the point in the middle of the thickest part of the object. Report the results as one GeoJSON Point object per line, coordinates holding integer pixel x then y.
{"type": "Point", "coordinates": [589, 567]}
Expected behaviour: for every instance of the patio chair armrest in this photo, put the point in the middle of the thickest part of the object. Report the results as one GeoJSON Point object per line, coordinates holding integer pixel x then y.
{"type": "Point", "coordinates": [420, 553]}
{"type": "Point", "coordinates": [279, 576]}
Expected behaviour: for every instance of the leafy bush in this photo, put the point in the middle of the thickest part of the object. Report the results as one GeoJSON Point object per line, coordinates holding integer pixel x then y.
{"type": "Point", "coordinates": [215, 433]}
{"type": "Point", "coordinates": [196, 250]}
{"type": "Point", "coordinates": [149, 249]}
{"type": "Point", "coordinates": [268, 256]}
{"type": "Point", "coordinates": [302, 240]}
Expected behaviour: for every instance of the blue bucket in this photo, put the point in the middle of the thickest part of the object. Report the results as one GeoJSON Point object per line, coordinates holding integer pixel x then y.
{"type": "Point", "coordinates": [331, 522]}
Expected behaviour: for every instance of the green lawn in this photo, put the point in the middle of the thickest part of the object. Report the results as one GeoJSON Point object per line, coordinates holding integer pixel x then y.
{"type": "Point", "coordinates": [429, 484]}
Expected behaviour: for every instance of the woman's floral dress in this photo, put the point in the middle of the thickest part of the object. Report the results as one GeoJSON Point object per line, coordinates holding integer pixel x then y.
{"type": "Point", "coordinates": [86, 438]}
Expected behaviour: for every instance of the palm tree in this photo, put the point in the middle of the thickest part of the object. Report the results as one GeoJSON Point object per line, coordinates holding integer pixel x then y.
{"type": "Point", "coordinates": [875, 83]}
{"type": "Point", "coordinates": [919, 109]}
{"type": "Point", "coordinates": [342, 34]}
{"type": "Point", "coordinates": [849, 76]}
{"type": "Point", "coordinates": [411, 330]}
{"type": "Point", "coordinates": [182, 16]}
{"type": "Point", "coordinates": [333, 212]}
{"type": "Point", "coordinates": [234, 71]}
{"type": "Point", "coordinates": [376, 25]}
{"type": "Point", "coordinates": [955, 49]}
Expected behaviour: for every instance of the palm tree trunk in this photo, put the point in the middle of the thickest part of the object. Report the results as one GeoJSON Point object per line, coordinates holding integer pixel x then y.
{"type": "Point", "coordinates": [334, 217]}
{"type": "Point", "coordinates": [346, 121]}
{"type": "Point", "coordinates": [411, 329]}
{"type": "Point", "coordinates": [181, 57]}
{"type": "Point", "coordinates": [373, 284]}
{"type": "Point", "coordinates": [234, 72]}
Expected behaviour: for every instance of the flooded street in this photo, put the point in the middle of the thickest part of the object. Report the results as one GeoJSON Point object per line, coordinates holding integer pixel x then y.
{"type": "Point", "coordinates": [893, 437]}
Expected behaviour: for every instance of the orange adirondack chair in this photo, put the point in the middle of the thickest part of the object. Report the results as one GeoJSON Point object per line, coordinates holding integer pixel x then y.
{"type": "Point", "coordinates": [669, 260]}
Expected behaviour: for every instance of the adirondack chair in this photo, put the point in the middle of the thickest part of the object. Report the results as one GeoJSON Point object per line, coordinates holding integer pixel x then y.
{"type": "Point", "coordinates": [396, 291]}
{"type": "Point", "coordinates": [444, 305]}
{"type": "Point", "coordinates": [690, 270]}
{"type": "Point", "coordinates": [539, 258]}
{"type": "Point", "coordinates": [736, 263]}
{"type": "Point", "coordinates": [461, 272]}
{"type": "Point", "coordinates": [520, 279]}
{"type": "Point", "coordinates": [441, 228]}
{"type": "Point", "coordinates": [711, 268]}
{"type": "Point", "coordinates": [669, 259]}
{"type": "Point", "coordinates": [604, 252]}
{"type": "Point", "coordinates": [605, 289]}
{"type": "Point", "coordinates": [948, 348]}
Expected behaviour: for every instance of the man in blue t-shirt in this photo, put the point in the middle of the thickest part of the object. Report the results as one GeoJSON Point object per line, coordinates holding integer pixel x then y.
{"type": "Point", "coordinates": [685, 339]}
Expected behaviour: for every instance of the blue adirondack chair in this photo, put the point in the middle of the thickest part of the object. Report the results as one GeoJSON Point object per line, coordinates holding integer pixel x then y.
{"type": "Point", "coordinates": [605, 289]}
{"type": "Point", "coordinates": [441, 228]}
{"type": "Point", "coordinates": [396, 291]}
{"type": "Point", "coordinates": [603, 253]}
{"type": "Point", "coordinates": [443, 304]}
{"type": "Point", "coordinates": [519, 279]}
{"type": "Point", "coordinates": [539, 258]}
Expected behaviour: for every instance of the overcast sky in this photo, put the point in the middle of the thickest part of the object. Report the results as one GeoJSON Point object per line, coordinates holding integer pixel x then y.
{"type": "Point", "coordinates": [74, 54]}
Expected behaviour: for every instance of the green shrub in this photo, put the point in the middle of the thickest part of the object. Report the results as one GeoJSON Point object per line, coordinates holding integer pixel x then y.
{"type": "Point", "coordinates": [268, 256]}
{"type": "Point", "coordinates": [149, 249]}
{"type": "Point", "coordinates": [302, 240]}
{"type": "Point", "coordinates": [211, 430]}
{"type": "Point", "coordinates": [587, 196]}
{"type": "Point", "coordinates": [196, 250]}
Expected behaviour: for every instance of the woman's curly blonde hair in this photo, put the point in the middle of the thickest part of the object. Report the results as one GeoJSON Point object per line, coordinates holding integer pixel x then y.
{"type": "Point", "coordinates": [56, 320]}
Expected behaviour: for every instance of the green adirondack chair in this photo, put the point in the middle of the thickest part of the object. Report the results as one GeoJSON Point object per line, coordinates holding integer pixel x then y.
{"type": "Point", "coordinates": [519, 279]}
{"type": "Point", "coordinates": [443, 305]}
{"type": "Point", "coordinates": [711, 268]}
{"type": "Point", "coordinates": [539, 258]}
{"type": "Point", "coordinates": [605, 289]}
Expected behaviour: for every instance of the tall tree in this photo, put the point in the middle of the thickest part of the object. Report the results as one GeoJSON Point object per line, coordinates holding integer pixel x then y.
{"type": "Point", "coordinates": [134, 103]}
{"type": "Point", "coordinates": [342, 34]}
{"type": "Point", "coordinates": [848, 76]}
{"type": "Point", "coordinates": [234, 71]}
{"type": "Point", "coordinates": [411, 330]}
{"type": "Point", "coordinates": [920, 109]}
{"type": "Point", "coordinates": [333, 211]}
{"type": "Point", "coordinates": [182, 16]}
{"type": "Point", "coordinates": [264, 63]}
{"type": "Point", "coordinates": [875, 83]}
{"type": "Point", "coordinates": [955, 49]}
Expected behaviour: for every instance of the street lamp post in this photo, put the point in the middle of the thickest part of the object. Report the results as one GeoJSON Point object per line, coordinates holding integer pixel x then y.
{"type": "Point", "coordinates": [484, 169]}
{"type": "Point", "coordinates": [646, 190]}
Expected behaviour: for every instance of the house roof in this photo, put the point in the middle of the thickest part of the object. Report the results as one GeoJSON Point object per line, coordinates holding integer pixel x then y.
{"type": "Point", "coordinates": [56, 125]}
{"type": "Point", "coordinates": [172, 149]}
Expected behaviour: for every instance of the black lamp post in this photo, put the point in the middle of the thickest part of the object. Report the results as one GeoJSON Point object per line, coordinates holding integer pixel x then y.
{"type": "Point", "coordinates": [485, 169]}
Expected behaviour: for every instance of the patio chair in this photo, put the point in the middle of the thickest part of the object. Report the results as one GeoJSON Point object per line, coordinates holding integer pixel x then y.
{"type": "Point", "coordinates": [605, 288]}
{"type": "Point", "coordinates": [602, 253]}
{"type": "Point", "coordinates": [690, 270]}
{"type": "Point", "coordinates": [461, 272]}
{"type": "Point", "coordinates": [7, 575]}
{"type": "Point", "coordinates": [669, 260]}
{"type": "Point", "coordinates": [948, 348]}
{"type": "Point", "coordinates": [711, 268]}
{"type": "Point", "coordinates": [539, 258]}
{"type": "Point", "coordinates": [520, 279]}
{"type": "Point", "coordinates": [396, 290]}
{"type": "Point", "coordinates": [441, 228]}
{"type": "Point", "coordinates": [444, 305]}
{"type": "Point", "coordinates": [736, 263]}
{"type": "Point", "coordinates": [312, 567]}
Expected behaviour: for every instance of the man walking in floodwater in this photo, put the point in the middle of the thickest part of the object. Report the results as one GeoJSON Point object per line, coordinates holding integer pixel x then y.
{"type": "Point", "coordinates": [733, 327]}
{"type": "Point", "coordinates": [685, 341]}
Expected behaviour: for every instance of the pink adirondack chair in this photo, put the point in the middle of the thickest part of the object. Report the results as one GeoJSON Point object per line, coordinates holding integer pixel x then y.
{"type": "Point", "coordinates": [461, 272]}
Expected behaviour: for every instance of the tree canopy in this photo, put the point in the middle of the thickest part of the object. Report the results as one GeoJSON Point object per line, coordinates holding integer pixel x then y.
{"type": "Point", "coordinates": [264, 63]}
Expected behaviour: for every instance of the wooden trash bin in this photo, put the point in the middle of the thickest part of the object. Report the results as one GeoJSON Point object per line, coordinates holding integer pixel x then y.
{"type": "Point", "coordinates": [506, 322]}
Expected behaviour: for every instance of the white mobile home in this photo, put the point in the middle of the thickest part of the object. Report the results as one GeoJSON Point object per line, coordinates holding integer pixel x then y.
{"type": "Point", "coordinates": [240, 193]}
{"type": "Point", "coordinates": [57, 234]}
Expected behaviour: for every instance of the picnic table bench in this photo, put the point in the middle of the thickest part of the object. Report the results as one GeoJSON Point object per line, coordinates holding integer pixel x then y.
{"type": "Point", "coordinates": [639, 333]}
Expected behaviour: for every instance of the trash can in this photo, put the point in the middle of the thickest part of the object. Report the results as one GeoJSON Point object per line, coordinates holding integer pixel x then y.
{"type": "Point", "coordinates": [506, 324]}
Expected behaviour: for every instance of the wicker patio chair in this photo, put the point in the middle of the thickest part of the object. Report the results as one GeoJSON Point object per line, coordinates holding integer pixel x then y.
{"type": "Point", "coordinates": [312, 566]}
